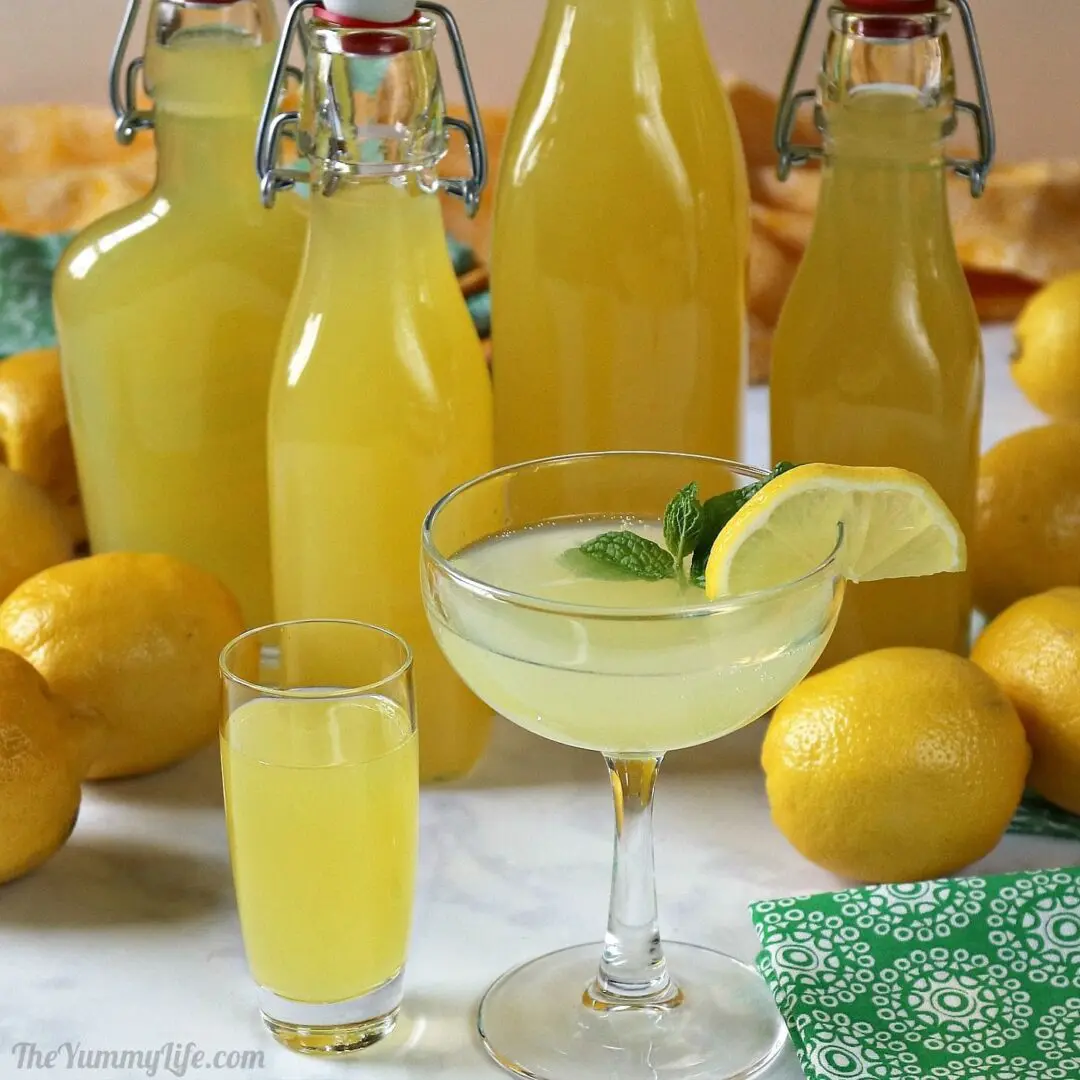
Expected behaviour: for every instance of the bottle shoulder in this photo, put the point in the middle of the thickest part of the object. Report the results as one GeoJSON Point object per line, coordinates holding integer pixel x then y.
{"type": "Point", "coordinates": [115, 228]}
{"type": "Point", "coordinates": [161, 241]}
{"type": "Point", "coordinates": [596, 116]}
{"type": "Point", "coordinates": [852, 325]}
{"type": "Point", "coordinates": [418, 337]}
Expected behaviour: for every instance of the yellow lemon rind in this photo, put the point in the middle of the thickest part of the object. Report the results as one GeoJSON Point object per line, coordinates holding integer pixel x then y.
{"type": "Point", "coordinates": [894, 525]}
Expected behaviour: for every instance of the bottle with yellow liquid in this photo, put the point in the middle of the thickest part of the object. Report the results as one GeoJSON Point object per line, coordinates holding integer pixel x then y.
{"type": "Point", "coordinates": [169, 311]}
{"type": "Point", "coordinates": [381, 400]}
{"type": "Point", "coordinates": [620, 241]}
{"type": "Point", "coordinates": [877, 358]}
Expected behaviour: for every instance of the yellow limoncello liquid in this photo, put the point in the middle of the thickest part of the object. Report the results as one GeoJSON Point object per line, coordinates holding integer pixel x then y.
{"type": "Point", "coordinates": [626, 686]}
{"type": "Point", "coordinates": [620, 241]}
{"type": "Point", "coordinates": [878, 358]}
{"type": "Point", "coordinates": [168, 315]}
{"type": "Point", "coordinates": [322, 805]}
{"type": "Point", "coordinates": [380, 404]}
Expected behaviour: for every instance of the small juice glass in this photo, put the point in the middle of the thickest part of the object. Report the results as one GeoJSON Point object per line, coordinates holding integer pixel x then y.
{"type": "Point", "coordinates": [319, 763]}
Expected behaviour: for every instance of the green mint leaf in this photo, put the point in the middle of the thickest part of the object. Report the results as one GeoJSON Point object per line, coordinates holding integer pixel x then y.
{"type": "Point", "coordinates": [683, 521]}
{"type": "Point", "coordinates": [717, 512]}
{"type": "Point", "coordinates": [636, 555]}
{"type": "Point", "coordinates": [576, 562]}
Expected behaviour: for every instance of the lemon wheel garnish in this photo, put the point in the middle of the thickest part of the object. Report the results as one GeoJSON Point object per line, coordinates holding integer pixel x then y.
{"type": "Point", "coordinates": [893, 523]}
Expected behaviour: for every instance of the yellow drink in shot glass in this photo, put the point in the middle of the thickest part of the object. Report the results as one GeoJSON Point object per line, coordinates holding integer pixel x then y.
{"type": "Point", "coordinates": [320, 771]}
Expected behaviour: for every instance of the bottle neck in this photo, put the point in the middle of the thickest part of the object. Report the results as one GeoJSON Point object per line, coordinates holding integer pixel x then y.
{"type": "Point", "coordinates": [207, 69]}
{"type": "Point", "coordinates": [198, 152]}
{"type": "Point", "coordinates": [624, 17]}
{"type": "Point", "coordinates": [884, 184]}
{"type": "Point", "coordinates": [630, 29]}
{"type": "Point", "coordinates": [885, 130]}
{"type": "Point", "coordinates": [615, 57]}
{"type": "Point", "coordinates": [391, 231]}
{"type": "Point", "coordinates": [887, 91]}
{"type": "Point", "coordinates": [373, 107]}
{"type": "Point", "coordinates": [886, 108]}
{"type": "Point", "coordinates": [877, 198]}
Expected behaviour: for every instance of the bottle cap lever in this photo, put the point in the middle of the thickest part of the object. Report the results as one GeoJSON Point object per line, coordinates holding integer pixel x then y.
{"type": "Point", "coordinates": [976, 171]}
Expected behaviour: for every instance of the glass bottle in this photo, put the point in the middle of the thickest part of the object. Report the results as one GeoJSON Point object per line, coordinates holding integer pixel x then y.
{"type": "Point", "coordinates": [381, 400]}
{"type": "Point", "coordinates": [620, 241]}
{"type": "Point", "coordinates": [168, 311]}
{"type": "Point", "coordinates": [877, 358]}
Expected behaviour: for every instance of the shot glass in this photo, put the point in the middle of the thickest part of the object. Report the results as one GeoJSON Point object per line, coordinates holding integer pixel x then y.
{"type": "Point", "coordinates": [319, 764]}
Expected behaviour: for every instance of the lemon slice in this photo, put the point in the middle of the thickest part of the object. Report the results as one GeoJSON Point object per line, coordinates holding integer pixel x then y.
{"type": "Point", "coordinates": [894, 526]}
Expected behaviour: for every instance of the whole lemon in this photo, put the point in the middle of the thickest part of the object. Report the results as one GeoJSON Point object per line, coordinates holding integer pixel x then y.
{"type": "Point", "coordinates": [1032, 651]}
{"type": "Point", "coordinates": [899, 765]}
{"type": "Point", "coordinates": [1046, 360]}
{"type": "Point", "coordinates": [32, 531]}
{"type": "Point", "coordinates": [40, 769]}
{"type": "Point", "coordinates": [1027, 517]}
{"type": "Point", "coordinates": [132, 642]}
{"type": "Point", "coordinates": [34, 435]}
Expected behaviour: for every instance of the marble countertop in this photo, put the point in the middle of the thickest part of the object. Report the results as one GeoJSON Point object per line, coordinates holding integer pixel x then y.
{"type": "Point", "coordinates": [128, 939]}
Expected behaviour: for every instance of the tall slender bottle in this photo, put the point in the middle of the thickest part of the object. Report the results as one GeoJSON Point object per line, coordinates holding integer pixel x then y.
{"type": "Point", "coordinates": [877, 358]}
{"type": "Point", "coordinates": [381, 400]}
{"type": "Point", "coordinates": [168, 312]}
{"type": "Point", "coordinates": [620, 241]}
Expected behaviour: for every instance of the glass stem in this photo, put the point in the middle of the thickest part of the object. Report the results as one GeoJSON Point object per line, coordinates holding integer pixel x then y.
{"type": "Point", "coordinates": [632, 967]}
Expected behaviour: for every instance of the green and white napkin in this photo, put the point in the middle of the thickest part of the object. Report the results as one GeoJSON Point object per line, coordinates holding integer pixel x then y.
{"type": "Point", "coordinates": [965, 979]}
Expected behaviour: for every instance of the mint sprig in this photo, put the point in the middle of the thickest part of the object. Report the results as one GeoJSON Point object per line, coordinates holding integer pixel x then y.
{"type": "Point", "coordinates": [684, 520]}
{"type": "Point", "coordinates": [636, 555]}
{"type": "Point", "coordinates": [690, 529]}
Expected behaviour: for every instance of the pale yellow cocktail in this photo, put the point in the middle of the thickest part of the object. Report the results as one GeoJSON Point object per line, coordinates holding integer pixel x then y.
{"type": "Point", "coordinates": [321, 798]}
{"type": "Point", "coordinates": [622, 685]}
{"type": "Point", "coordinates": [320, 768]}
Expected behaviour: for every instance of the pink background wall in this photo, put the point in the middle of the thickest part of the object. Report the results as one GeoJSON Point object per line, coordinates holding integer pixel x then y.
{"type": "Point", "coordinates": [57, 49]}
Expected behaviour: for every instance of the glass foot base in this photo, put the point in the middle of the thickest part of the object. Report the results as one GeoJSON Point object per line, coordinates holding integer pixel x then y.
{"type": "Point", "coordinates": [339, 1027]}
{"type": "Point", "coordinates": [535, 1023]}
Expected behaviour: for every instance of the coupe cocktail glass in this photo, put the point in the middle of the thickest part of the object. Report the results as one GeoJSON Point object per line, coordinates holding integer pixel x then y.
{"type": "Point", "coordinates": [633, 669]}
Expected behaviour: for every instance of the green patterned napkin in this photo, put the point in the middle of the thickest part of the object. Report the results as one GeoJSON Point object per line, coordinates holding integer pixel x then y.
{"type": "Point", "coordinates": [1037, 817]}
{"type": "Point", "coordinates": [965, 979]}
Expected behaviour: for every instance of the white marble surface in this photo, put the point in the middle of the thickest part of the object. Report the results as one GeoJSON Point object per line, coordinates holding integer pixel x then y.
{"type": "Point", "coordinates": [128, 938]}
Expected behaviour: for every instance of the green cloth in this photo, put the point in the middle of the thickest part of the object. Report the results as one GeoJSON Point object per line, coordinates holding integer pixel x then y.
{"type": "Point", "coordinates": [461, 256]}
{"type": "Point", "coordinates": [966, 979]}
{"type": "Point", "coordinates": [26, 268]}
{"type": "Point", "coordinates": [1037, 817]}
{"type": "Point", "coordinates": [479, 305]}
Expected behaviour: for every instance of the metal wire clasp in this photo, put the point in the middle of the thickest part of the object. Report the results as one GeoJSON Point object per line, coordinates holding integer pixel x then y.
{"type": "Point", "coordinates": [275, 126]}
{"type": "Point", "coordinates": [124, 82]}
{"type": "Point", "coordinates": [467, 188]}
{"type": "Point", "coordinates": [975, 170]}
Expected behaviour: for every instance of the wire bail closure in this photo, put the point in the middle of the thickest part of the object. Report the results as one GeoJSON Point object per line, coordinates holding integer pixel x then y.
{"type": "Point", "coordinates": [124, 82]}
{"type": "Point", "coordinates": [975, 170]}
{"type": "Point", "coordinates": [275, 126]}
